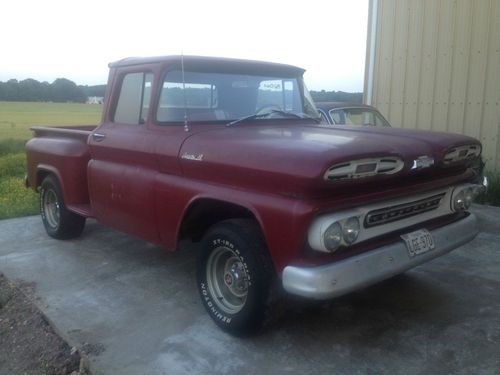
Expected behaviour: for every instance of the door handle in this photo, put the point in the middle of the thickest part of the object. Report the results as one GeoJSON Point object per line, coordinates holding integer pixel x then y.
{"type": "Point", "coordinates": [98, 137]}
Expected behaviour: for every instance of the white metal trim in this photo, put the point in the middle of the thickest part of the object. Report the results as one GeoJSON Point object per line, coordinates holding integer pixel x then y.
{"type": "Point", "coordinates": [371, 48]}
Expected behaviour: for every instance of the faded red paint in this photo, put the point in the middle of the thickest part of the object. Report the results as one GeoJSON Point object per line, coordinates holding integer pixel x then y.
{"type": "Point", "coordinates": [134, 180]}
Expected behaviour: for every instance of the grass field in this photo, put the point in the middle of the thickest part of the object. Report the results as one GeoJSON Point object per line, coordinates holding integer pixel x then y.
{"type": "Point", "coordinates": [16, 118]}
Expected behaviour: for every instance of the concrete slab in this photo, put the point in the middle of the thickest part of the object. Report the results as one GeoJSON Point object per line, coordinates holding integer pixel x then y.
{"type": "Point", "coordinates": [137, 308]}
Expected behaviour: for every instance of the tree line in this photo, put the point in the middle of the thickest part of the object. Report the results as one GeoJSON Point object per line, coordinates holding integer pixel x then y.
{"type": "Point", "coordinates": [64, 90]}
{"type": "Point", "coordinates": [61, 90]}
{"type": "Point", "coordinates": [337, 96]}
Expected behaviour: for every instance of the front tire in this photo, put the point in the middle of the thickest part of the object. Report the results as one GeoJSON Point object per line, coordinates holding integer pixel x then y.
{"type": "Point", "coordinates": [58, 221]}
{"type": "Point", "coordinates": [234, 276]}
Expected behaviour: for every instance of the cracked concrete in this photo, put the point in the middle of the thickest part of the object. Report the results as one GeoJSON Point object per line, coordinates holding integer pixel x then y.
{"type": "Point", "coordinates": [135, 309]}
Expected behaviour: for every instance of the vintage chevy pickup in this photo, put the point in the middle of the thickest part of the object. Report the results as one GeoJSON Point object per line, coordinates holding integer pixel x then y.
{"type": "Point", "coordinates": [232, 153]}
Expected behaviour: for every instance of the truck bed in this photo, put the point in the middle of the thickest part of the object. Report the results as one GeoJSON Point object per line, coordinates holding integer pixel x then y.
{"type": "Point", "coordinates": [62, 151]}
{"type": "Point", "coordinates": [79, 131]}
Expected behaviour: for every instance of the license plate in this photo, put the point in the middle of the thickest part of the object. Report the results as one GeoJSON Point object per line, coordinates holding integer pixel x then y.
{"type": "Point", "coordinates": [418, 242]}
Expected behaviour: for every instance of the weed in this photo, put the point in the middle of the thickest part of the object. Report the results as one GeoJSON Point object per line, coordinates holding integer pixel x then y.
{"type": "Point", "coordinates": [12, 165]}
{"type": "Point", "coordinates": [15, 199]}
{"type": "Point", "coordinates": [11, 146]}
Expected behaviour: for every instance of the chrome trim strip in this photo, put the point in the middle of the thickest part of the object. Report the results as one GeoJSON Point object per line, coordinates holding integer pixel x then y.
{"type": "Point", "coordinates": [336, 279]}
{"type": "Point", "coordinates": [409, 209]}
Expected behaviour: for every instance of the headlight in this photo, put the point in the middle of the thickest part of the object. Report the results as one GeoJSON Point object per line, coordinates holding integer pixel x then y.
{"type": "Point", "coordinates": [351, 230]}
{"type": "Point", "coordinates": [459, 201]}
{"type": "Point", "coordinates": [464, 195]}
{"type": "Point", "coordinates": [333, 237]}
{"type": "Point", "coordinates": [468, 197]}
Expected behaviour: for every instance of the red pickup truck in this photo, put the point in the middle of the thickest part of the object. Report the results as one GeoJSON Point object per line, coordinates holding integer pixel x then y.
{"type": "Point", "coordinates": [232, 153]}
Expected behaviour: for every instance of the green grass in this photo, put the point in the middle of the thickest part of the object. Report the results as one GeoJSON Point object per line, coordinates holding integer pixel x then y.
{"type": "Point", "coordinates": [11, 146]}
{"type": "Point", "coordinates": [16, 118]}
{"type": "Point", "coordinates": [15, 199]}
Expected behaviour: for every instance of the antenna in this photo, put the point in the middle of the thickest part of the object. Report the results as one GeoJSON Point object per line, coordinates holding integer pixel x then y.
{"type": "Point", "coordinates": [186, 126]}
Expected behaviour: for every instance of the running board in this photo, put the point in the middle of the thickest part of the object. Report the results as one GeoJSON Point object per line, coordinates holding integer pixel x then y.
{"type": "Point", "coordinates": [81, 209]}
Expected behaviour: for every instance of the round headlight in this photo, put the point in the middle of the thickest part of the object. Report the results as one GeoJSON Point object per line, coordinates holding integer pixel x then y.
{"type": "Point", "coordinates": [333, 237]}
{"type": "Point", "coordinates": [459, 201]}
{"type": "Point", "coordinates": [468, 197]}
{"type": "Point", "coordinates": [351, 230]}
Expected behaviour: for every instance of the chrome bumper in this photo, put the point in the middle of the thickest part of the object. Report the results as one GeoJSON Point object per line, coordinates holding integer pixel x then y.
{"type": "Point", "coordinates": [333, 280]}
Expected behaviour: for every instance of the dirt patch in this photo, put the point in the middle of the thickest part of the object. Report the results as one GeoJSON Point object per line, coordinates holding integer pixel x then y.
{"type": "Point", "coordinates": [28, 343]}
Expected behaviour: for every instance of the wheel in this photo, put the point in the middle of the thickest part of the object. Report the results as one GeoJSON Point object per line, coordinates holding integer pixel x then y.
{"type": "Point", "coordinates": [59, 222]}
{"type": "Point", "coordinates": [234, 276]}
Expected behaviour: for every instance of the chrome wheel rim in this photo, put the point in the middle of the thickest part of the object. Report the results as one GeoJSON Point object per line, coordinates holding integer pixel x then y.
{"type": "Point", "coordinates": [227, 280]}
{"type": "Point", "coordinates": [51, 208]}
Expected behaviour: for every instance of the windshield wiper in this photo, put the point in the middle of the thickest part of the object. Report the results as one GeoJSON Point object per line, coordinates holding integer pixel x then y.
{"type": "Point", "coordinates": [245, 118]}
{"type": "Point", "coordinates": [301, 115]}
{"type": "Point", "coordinates": [273, 111]}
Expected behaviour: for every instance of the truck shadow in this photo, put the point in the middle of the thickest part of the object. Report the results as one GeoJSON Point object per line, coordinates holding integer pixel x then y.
{"type": "Point", "coordinates": [404, 301]}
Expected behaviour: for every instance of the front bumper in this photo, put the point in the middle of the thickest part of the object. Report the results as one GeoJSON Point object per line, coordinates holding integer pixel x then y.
{"type": "Point", "coordinates": [333, 280]}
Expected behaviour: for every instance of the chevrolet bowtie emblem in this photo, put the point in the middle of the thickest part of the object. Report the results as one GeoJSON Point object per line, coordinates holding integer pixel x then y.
{"type": "Point", "coordinates": [422, 162]}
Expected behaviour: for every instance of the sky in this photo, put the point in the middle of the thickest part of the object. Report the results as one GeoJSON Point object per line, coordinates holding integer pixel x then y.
{"type": "Point", "coordinates": [49, 39]}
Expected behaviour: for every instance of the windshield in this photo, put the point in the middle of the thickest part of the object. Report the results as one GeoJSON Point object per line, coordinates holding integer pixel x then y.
{"type": "Point", "coordinates": [228, 97]}
{"type": "Point", "coordinates": [357, 116]}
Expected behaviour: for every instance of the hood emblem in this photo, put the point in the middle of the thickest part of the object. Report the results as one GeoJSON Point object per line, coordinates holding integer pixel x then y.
{"type": "Point", "coordinates": [423, 161]}
{"type": "Point", "coordinates": [192, 157]}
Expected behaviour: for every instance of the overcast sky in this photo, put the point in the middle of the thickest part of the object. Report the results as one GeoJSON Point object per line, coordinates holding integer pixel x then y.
{"type": "Point", "coordinates": [48, 39]}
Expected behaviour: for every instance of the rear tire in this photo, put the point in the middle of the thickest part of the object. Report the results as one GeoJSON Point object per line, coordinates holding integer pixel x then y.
{"type": "Point", "coordinates": [58, 221]}
{"type": "Point", "coordinates": [234, 276]}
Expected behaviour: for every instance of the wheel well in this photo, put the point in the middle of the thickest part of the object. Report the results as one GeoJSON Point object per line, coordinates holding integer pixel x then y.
{"type": "Point", "coordinates": [40, 176]}
{"type": "Point", "coordinates": [204, 213]}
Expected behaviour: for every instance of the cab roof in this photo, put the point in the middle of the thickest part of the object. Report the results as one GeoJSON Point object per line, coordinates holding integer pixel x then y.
{"type": "Point", "coordinates": [213, 64]}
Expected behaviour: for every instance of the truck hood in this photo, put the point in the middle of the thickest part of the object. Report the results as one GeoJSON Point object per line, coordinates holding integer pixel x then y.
{"type": "Point", "coordinates": [293, 159]}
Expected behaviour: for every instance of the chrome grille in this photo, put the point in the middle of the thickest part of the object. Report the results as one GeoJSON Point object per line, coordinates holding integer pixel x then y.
{"type": "Point", "coordinates": [389, 214]}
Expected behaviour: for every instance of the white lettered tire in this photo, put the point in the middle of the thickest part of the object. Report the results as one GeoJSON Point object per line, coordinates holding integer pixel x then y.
{"type": "Point", "coordinates": [234, 276]}
{"type": "Point", "coordinates": [58, 221]}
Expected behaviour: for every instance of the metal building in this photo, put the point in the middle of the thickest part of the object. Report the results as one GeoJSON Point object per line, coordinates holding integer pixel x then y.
{"type": "Point", "coordinates": [435, 64]}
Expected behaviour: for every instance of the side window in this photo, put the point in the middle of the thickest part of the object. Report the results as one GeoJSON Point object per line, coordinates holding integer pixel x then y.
{"type": "Point", "coordinates": [133, 103]}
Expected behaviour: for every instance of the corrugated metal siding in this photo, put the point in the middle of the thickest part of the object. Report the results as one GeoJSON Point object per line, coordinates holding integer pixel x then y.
{"type": "Point", "coordinates": [437, 66]}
